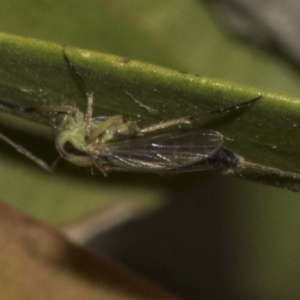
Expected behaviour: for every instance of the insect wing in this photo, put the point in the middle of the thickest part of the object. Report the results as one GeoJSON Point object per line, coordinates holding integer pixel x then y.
{"type": "Point", "coordinates": [164, 151]}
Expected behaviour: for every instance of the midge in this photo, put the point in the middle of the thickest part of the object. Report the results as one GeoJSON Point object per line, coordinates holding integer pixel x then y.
{"type": "Point", "coordinates": [109, 143]}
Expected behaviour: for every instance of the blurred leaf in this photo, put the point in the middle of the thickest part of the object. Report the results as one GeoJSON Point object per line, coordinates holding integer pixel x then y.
{"type": "Point", "coordinates": [98, 24]}
{"type": "Point", "coordinates": [38, 262]}
{"type": "Point", "coordinates": [267, 29]}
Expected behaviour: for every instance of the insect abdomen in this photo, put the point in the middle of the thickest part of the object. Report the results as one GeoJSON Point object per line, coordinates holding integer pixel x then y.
{"type": "Point", "coordinates": [225, 158]}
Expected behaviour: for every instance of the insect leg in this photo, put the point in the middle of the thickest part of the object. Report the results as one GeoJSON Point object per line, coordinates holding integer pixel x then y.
{"type": "Point", "coordinates": [89, 94]}
{"type": "Point", "coordinates": [103, 127]}
{"type": "Point", "coordinates": [189, 119]}
{"type": "Point", "coordinates": [74, 71]}
{"type": "Point", "coordinates": [242, 163]}
{"type": "Point", "coordinates": [225, 109]}
{"type": "Point", "coordinates": [100, 167]}
{"type": "Point", "coordinates": [163, 125]}
{"type": "Point", "coordinates": [25, 152]}
{"type": "Point", "coordinates": [88, 114]}
{"type": "Point", "coordinates": [70, 110]}
{"type": "Point", "coordinates": [9, 107]}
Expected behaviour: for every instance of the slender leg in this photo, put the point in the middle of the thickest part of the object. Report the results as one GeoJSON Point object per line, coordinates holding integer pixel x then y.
{"type": "Point", "coordinates": [89, 94]}
{"type": "Point", "coordinates": [28, 154]}
{"type": "Point", "coordinates": [242, 163]}
{"type": "Point", "coordinates": [75, 72]}
{"type": "Point", "coordinates": [103, 127]}
{"type": "Point", "coordinates": [88, 115]}
{"type": "Point", "coordinates": [189, 119]}
{"type": "Point", "coordinates": [225, 109]}
{"type": "Point", "coordinates": [54, 109]}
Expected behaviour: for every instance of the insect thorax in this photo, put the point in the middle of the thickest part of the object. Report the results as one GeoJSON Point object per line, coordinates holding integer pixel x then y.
{"type": "Point", "coordinates": [73, 144]}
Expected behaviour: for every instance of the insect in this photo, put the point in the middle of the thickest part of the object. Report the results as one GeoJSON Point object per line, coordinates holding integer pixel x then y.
{"type": "Point", "coordinates": [110, 143]}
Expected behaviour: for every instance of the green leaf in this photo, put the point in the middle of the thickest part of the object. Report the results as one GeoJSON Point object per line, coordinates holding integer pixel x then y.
{"type": "Point", "coordinates": [35, 73]}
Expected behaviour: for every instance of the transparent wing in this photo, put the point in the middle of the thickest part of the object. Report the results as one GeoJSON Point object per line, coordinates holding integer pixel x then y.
{"type": "Point", "coordinates": [161, 151]}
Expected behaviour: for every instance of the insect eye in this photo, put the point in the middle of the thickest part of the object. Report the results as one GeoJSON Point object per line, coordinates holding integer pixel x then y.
{"type": "Point", "coordinates": [70, 149]}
